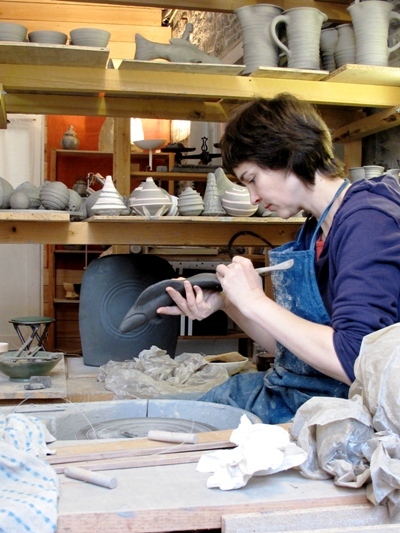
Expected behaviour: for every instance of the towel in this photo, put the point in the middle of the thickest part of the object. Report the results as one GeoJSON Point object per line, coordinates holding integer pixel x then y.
{"type": "Point", "coordinates": [29, 487]}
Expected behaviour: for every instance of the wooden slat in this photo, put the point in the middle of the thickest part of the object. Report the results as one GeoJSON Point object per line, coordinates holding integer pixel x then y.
{"type": "Point", "coordinates": [34, 215]}
{"type": "Point", "coordinates": [3, 112]}
{"type": "Point", "coordinates": [381, 121]}
{"type": "Point", "coordinates": [289, 73]}
{"type": "Point", "coordinates": [95, 450]}
{"type": "Point", "coordinates": [180, 231]}
{"type": "Point", "coordinates": [53, 55]}
{"type": "Point", "coordinates": [62, 13]}
{"type": "Point", "coordinates": [366, 74]}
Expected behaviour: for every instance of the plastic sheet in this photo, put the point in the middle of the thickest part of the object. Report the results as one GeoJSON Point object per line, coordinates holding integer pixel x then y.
{"type": "Point", "coordinates": [154, 373]}
{"type": "Point", "coordinates": [357, 441]}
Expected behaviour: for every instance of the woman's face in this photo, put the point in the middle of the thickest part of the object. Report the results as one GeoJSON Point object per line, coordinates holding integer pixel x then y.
{"type": "Point", "coordinates": [272, 189]}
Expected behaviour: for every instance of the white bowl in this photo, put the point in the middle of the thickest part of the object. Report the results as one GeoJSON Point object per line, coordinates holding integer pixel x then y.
{"type": "Point", "coordinates": [47, 37]}
{"type": "Point", "coordinates": [10, 31]}
{"type": "Point", "coordinates": [90, 37]}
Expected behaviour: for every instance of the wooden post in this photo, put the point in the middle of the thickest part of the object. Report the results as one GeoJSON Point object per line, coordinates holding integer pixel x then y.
{"type": "Point", "coordinates": [122, 156]}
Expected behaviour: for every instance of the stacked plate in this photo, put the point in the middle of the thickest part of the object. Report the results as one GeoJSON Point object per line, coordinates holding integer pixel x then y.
{"type": "Point", "coordinates": [10, 31]}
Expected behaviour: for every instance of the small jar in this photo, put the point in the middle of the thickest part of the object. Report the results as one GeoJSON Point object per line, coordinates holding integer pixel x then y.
{"type": "Point", "coordinates": [70, 139]}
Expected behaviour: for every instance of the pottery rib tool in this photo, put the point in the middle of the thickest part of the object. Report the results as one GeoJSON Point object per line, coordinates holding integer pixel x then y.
{"type": "Point", "coordinates": [155, 296]}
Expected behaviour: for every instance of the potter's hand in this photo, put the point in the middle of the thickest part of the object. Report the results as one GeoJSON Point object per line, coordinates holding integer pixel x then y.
{"type": "Point", "coordinates": [241, 283]}
{"type": "Point", "coordinates": [197, 305]}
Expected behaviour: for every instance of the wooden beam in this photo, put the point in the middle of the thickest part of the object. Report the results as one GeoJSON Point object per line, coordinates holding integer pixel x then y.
{"type": "Point", "coordinates": [3, 112]}
{"type": "Point", "coordinates": [335, 11]}
{"type": "Point", "coordinates": [51, 104]}
{"type": "Point", "coordinates": [383, 120]}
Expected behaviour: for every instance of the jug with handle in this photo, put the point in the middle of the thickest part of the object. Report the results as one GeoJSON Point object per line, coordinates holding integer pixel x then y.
{"type": "Point", "coordinates": [303, 31]}
{"type": "Point", "coordinates": [259, 50]}
{"type": "Point", "coordinates": [371, 20]}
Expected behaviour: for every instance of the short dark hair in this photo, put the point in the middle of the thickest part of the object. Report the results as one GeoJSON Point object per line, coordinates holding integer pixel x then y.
{"type": "Point", "coordinates": [283, 133]}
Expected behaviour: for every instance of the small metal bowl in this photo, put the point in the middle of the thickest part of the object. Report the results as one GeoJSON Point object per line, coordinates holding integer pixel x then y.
{"type": "Point", "coordinates": [22, 368]}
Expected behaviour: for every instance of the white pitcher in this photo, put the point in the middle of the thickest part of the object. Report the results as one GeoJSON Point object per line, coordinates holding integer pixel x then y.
{"type": "Point", "coordinates": [371, 20]}
{"type": "Point", "coordinates": [259, 50]}
{"type": "Point", "coordinates": [303, 30]}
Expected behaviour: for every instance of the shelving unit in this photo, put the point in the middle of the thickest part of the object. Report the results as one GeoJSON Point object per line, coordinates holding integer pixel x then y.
{"type": "Point", "coordinates": [152, 90]}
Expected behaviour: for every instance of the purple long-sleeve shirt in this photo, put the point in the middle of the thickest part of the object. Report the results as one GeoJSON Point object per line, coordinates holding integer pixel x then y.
{"type": "Point", "coordinates": [358, 271]}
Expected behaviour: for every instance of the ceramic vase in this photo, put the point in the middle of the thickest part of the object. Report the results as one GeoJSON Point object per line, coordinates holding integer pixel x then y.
{"type": "Point", "coordinates": [222, 181]}
{"type": "Point", "coordinates": [328, 40]}
{"type": "Point", "coordinates": [345, 51]}
{"type": "Point", "coordinates": [303, 31]}
{"type": "Point", "coordinates": [190, 203]}
{"type": "Point", "coordinates": [109, 201]}
{"type": "Point", "coordinates": [70, 139]}
{"type": "Point", "coordinates": [54, 195]}
{"type": "Point", "coordinates": [32, 192]}
{"type": "Point", "coordinates": [150, 200]}
{"type": "Point", "coordinates": [371, 19]}
{"type": "Point", "coordinates": [6, 190]}
{"type": "Point", "coordinates": [212, 199]}
{"type": "Point", "coordinates": [19, 200]}
{"type": "Point", "coordinates": [236, 202]}
{"type": "Point", "coordinates": [259, 50]}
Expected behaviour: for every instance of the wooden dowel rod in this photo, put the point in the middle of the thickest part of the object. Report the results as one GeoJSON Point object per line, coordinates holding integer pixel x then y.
{"type": "Point", "coordinates": [172, 436]}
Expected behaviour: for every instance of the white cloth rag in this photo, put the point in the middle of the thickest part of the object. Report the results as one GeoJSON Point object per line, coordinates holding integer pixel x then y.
{"type": "Point", "coordinates": [29, 487]}
{"type": "Point", "coordinates": [262, 449]}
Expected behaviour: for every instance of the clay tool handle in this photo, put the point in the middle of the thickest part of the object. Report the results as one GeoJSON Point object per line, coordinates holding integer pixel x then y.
{"type": "Point", "coordinates": [90, 477]}
{"type": "Point", "coordinates": [280, 266]}
{"type": "Point", "coordinates": [172, 436]}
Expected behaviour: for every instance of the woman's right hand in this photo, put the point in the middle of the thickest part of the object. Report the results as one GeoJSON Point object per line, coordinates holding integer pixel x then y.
{"type": "Point", "coordinates": [198, 304]}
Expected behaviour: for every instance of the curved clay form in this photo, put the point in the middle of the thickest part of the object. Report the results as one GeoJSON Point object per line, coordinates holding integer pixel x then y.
{"type": "Point", "coordinates": [155, 296]}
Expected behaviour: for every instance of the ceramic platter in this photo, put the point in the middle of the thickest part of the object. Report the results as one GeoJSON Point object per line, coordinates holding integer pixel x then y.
{"type": "Point", "coordinates": [191, 68]}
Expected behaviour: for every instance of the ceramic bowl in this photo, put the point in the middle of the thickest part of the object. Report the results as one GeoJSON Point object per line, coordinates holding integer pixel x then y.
{"type": "Point", "coordinates": [22, 368]}
{"type": "Point", "coordinates": [47, 37]}
{"type": "Point", "coordinates": [90, 37]}
{"type": "Point", "coordinates": [9, 31]}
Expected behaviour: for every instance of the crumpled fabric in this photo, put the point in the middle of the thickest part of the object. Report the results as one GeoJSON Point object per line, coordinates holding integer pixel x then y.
{"type": "Point", "coordinates": [357, 441]}
{"type": "Point", "coordinates": [29, 487]}
{"type": "Point", "coordinates": [154, 373]}
{"type": "Point", "coordinates": [262, 450]}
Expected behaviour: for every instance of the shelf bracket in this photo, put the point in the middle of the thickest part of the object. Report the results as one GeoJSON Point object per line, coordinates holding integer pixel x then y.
{"type": "Point", "coordinates": [380, 121]}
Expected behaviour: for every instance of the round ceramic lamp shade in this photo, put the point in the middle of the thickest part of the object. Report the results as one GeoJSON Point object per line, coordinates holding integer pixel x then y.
{"type": "Point", "coordinates": [110, 286]}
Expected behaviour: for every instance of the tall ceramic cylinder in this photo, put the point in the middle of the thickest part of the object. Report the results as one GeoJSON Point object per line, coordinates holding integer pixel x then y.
{"type": "Point", "coordinates": [345, 51]}
{"type": "Point", "coordinates": [328, 40]}
{"type": "Point", "coordinates": [303, 30]}
{"type": "Point", "coordinates": [371, 21]}
{"type": "Point", "coordinates": [259, 49]}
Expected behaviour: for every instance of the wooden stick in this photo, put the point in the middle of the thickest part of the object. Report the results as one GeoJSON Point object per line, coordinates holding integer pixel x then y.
{"type": "Point", "coordinates": [121, 463]}
{"type": "Point", "coordinates": [89, 477]}
{"type": "Point", "coordinates": [96, 450]}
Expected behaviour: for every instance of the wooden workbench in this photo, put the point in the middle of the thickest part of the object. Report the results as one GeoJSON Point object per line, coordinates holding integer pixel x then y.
{"type": "Point", "coordinates": [175, 498]}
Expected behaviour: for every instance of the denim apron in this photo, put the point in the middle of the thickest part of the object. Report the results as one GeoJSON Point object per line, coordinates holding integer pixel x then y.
{"type": "Point", "coordinates": [276, 395]}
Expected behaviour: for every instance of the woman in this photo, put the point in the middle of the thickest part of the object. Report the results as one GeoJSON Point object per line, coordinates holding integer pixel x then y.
{"type": "Point", "coordinates": [345, 282]}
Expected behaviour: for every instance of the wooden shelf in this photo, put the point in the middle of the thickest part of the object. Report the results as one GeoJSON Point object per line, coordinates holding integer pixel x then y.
{"type": "Point", "coordinates": [199, 96]}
